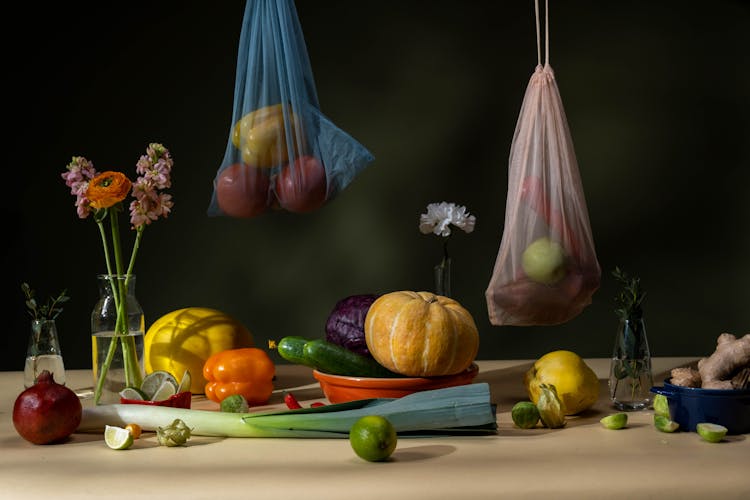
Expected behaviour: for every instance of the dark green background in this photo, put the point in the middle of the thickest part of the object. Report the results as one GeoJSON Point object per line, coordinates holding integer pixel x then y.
{"type": "Point", "coordinates": [656, 95]}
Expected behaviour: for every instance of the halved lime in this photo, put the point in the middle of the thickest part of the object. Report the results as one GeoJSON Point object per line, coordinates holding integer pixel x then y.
{"type": "Point", "coordinates": [661, 405]}
{"type": "Point", "coordinates": [117, 438]}
{"type": "Point", "coordinates": [713, 433]}
{"type": "Point", "coordinates": [664, 424]}
{"type": "Point", "coordinates": [154, 380]}
{"type": "Point", "coordinates": [185, 382]}
{"type": "Point", "coordinates": [166, 389]}
{"type": "Point", "coordinates": [615, 421]}
{"type": "Point", "coordinates": [133, 393]}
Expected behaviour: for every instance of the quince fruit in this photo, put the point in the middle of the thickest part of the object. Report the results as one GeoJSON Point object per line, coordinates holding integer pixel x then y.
{"type": "Point", "coordinates": [576, 383]}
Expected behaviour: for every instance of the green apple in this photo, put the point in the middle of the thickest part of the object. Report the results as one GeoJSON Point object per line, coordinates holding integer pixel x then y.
{"type": "Point", "coordinates": [544, 261]}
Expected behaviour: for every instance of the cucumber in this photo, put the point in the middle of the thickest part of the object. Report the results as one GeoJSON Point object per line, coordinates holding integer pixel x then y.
{"type": "Point", "coordinates": [291, 349]}
{"type": "Point", "coordinates": [337, 360]}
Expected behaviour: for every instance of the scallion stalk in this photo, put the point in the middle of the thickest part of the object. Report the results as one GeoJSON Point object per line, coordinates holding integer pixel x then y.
{"type": "Point", "coordinates": [461, 409]}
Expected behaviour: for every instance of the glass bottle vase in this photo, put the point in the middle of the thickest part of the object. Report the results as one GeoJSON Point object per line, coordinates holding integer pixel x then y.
{"type": "Point", "coordinates": [43, 353]}
{"type": "Point", "coordinates": [117, 329]}
{"type": "Point", "coordinates": [630, 377]}
{"type": "Point", "coordinates": [443, 277]}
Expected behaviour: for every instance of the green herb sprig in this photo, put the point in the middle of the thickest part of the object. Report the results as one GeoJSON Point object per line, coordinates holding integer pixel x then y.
{"type": "Point", "coordinates": [631, 345]}
{"type": "Point", "coordinates": [630, 299]}
{"type": "Point", "coordinates": [50, 310]}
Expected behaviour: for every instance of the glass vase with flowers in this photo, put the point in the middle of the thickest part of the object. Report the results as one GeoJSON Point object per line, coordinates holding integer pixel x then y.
{"type": "Point", "coordinates": [101, 196]}
{"type": "Point", "coordinates": [438, 220]}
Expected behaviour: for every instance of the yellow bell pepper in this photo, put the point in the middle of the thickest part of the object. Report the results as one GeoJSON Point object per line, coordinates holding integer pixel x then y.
{"type": "Point", "coordinates": [261, 137]}
{"type": "Point", "coordinates": [247, 371]}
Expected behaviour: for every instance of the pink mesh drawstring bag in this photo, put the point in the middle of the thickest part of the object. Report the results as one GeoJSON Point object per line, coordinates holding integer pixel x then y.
{"type": "Point", "coordinates": [546, 269]}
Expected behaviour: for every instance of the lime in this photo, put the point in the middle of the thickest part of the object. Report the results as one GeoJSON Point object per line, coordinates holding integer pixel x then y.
{"type": "Point", "coordinates": [185, 382]}
{"type": "Point", "coordinates": [154, 380]}
{"type": "Point", "coordinates": [664, 424]}
{"type": "Point", "coordinates": [117, 438]}
{"type": "Point", "coordinates": [525, 414]}
{"type": "Point", "coordinates": [166, 389]}
{"type": "Point", "coordinates": [713, 433]}
{"type": "Point", "coordinates": [236, 403]}
{"type": "Point", "coordinates": [373, 438]}
{"type": "Point", "coordinates": [615, 421]}
{"type": "Point", "coordinates": [661, 405]}
{"type": "Point", "coordinates": [133, 393]}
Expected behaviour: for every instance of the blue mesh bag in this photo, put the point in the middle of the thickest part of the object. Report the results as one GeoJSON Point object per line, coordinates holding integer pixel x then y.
{"type": "Point", "coordinates": [282, 153]}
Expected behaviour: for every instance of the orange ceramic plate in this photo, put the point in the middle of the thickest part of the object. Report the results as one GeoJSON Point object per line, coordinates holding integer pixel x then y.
{"type": "Point", "coordinates": [179, 400]}
{"type": "Point", "coordinates": [340, 389]}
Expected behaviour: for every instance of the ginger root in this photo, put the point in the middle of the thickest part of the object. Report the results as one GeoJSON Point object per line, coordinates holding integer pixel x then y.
{"type": "Point", "coordinates": [686, 377]}
{"type": "Point", "coordinates": [732, 355]}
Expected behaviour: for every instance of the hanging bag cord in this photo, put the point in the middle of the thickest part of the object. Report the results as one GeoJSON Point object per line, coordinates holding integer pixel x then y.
{"type": "Point", "coordinates": [538, 33]}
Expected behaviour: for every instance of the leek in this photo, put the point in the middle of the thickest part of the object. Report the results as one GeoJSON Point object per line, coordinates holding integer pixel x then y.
{"type": "Point", "coordinates": [453, 410]}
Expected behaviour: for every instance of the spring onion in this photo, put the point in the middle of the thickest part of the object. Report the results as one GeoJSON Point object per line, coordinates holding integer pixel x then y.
{"type": "Point", "coordinates": [453, 410]}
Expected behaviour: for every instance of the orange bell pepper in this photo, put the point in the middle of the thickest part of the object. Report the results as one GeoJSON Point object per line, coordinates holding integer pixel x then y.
{"type": "Point", "coordinates": [247, 371]}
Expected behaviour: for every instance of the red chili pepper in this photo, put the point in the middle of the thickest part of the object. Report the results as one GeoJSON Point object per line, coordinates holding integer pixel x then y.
{"type": "Point", "coordinates": [316, 404]}
{"type": "Point", "coordinates": [291, 401]}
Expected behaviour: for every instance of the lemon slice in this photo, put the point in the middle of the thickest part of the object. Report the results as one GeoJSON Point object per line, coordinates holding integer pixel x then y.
{"type": "Point", "coordinates": [185, 382]}
{"type": "Point", "coordinates": [713, 433]}
{"type": "Point", "coordinates": [615, 421]}
{"type": "Point", "coordinates": [154, 380]}
{"type": "Point", "coordinates": [133, 393]}
{"type": "Point", "coordinates": [166, 389]}
{"type": "Point", "coordinates": [117, 438]}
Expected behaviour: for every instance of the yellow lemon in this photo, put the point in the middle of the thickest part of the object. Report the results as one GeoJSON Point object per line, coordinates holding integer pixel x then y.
{"type": "Point", "coordinates": [184, 339]}
{"type": "Point", "coordinates": [576, 383]}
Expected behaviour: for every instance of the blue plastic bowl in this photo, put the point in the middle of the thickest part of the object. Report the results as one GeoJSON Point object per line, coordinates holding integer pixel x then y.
{"type": "Point", "coordinates": [689, 406]}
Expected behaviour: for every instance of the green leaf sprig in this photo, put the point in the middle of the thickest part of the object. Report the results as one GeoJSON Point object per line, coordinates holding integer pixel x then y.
{"type": "Point", "coordinates": [630, 298]}
{"type": "Point", "coordinates": [50, 310]}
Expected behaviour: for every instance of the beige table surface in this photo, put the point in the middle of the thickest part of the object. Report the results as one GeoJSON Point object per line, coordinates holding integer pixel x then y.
{"type": "Point", "coordinates": [582, 460]}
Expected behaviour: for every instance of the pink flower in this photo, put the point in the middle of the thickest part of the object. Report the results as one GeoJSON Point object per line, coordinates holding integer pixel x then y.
{"type": "Point", "coordinates": [155, 173]}
{"type": "Point", "coordinates": [154, 169]}
{"type": "Point", "coordinates": [77, 176]}
{"type": "Point", "coordinates": [155, 166]}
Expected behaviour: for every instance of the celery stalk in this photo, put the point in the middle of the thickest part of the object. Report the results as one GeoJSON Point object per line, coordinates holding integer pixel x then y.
{"type": "Point", "coordinates": [453, 410]}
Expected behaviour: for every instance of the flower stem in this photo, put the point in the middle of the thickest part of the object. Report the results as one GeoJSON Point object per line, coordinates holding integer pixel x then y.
{"type": "Point", "coordinates": [136, 246]}
{"type": "Point", "coordinates": [112, 281]}
{"type": "Point", "coordinates": [104, 244]}
{"type": "Point", "coordinates": [443, 273]}
{"type": "Point", "coordinates": [119, 283]}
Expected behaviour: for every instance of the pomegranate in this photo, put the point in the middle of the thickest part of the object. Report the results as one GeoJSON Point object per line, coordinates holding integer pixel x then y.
{"type": "Point", "coordinates": [46, 412]}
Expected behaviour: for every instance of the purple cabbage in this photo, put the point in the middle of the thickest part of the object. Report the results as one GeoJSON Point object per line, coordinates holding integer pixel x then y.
{"type": "Point", "coordinates": [346, 323]}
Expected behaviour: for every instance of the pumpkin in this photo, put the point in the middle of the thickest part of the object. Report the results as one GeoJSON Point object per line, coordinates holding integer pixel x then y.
{"type": "Point", "coordinates": [420, 334]}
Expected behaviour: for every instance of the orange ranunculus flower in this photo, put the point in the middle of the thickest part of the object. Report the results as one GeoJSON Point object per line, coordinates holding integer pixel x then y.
{"type": "Point", "coordinates": [107, 189]}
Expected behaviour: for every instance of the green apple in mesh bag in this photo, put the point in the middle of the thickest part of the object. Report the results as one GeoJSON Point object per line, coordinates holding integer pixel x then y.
{"type": "Point", "coordinates": [544, 261]}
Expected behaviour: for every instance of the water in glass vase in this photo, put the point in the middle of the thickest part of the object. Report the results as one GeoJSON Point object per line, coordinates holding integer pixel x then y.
{"type": "Point", "coordinates": [37, 364]}
{"type": "Point", "coordinates": [115, 381]}
{"type": "Point", "coordinates": [630, 381]}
